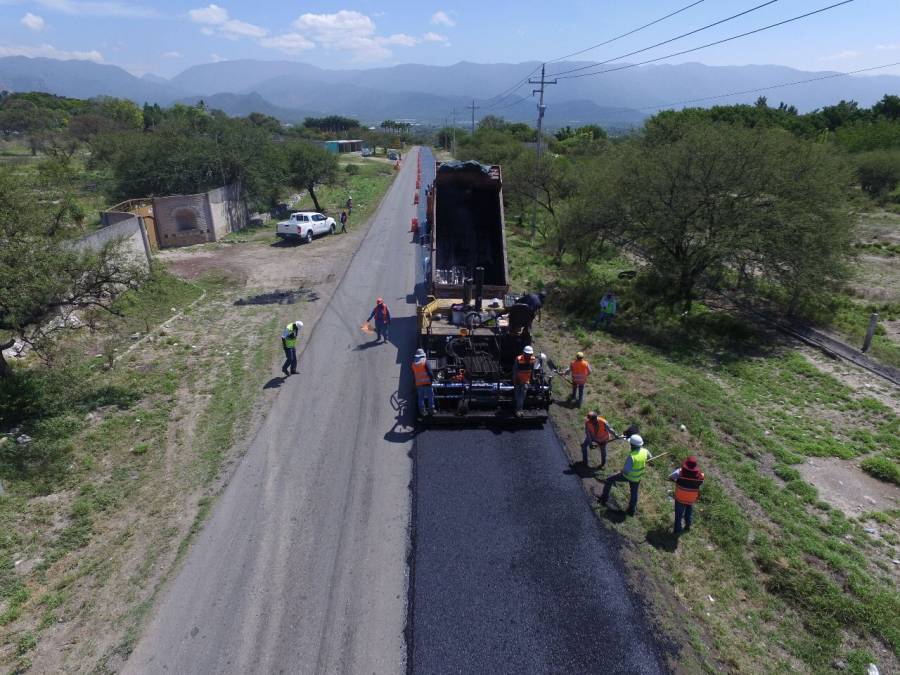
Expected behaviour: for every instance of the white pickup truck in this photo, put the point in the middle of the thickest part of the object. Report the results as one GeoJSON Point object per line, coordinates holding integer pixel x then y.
{"type": "Point", "coordinates": [305, 225]}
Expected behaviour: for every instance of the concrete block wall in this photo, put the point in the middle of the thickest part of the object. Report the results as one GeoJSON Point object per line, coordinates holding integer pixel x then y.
{"type": "Point", "coordinates": [130, 232]}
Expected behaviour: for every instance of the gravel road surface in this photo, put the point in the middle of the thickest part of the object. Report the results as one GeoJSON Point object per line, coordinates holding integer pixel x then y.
{"type": "Point", "coordinates": [301, 567]}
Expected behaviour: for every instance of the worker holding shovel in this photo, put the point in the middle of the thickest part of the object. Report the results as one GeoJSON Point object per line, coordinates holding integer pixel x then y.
{"type": "Point", "coordinates": [596, 431]}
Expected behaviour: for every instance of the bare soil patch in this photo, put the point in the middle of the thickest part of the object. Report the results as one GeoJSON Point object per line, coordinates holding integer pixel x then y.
{"type": "Point", "coordinates": [845, 486]}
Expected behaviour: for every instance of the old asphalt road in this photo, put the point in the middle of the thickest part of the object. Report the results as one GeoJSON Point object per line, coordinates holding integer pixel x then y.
{"type": "Point", "coordinates": [301, 567]}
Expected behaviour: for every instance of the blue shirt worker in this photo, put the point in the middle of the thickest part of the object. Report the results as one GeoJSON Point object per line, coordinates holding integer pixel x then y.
{"type": "Point", "coordinates": [382, 316]}
{"type": "Point", "coordinates": [632, 472]}
{"type": "Point", "coordinates": [609, 304]}
{"type": "Point", "coordinates": [289, 337]}
{"type": "Point", "coordinates": [424, 380]}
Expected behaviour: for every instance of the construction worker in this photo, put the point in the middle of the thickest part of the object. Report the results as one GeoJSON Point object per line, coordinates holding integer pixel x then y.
{"type": "Point", "coordinates": [522, 371]}
{"type": "Point", "coordinates": [580, 369]}
{"type": "Point", "coordinates": [608, 306]}
{"type": "Point", "coordinates": [289, 337]}
{"type": "Point", "coordinates": [424, 379]}
{"type": "Point", "coordinates": [596, 430]}
{"type": "Point", "coordinates": [688, 479]}
{"type": "Point", "coordinates": [343, 222]}
{"type": "Point", "coordinates": [349, 206]}
{"type": "Point", "coordinates": [382, 316]}
{"type": "Point", "coordinates": [632, 472]}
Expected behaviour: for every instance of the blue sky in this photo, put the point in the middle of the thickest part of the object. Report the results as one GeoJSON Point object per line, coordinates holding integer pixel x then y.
{"type": "Point", "coordinates": [167, 37]}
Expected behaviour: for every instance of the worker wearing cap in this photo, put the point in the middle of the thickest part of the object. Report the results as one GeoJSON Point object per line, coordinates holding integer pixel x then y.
{"type": "Point", "coordinates": [424, 379]}
{"type": "Point", "coordinates": [632, 472]}
{"type": "Point", "coordinates": [522, 371]}
{"type": "Point", "coordinates": [688, 479]}
{"type": "Point", "coordinates": [580, 369]}
{"type": "Point", "coordinates": [289, 337]}
{"type": "Point", "coordinates": [596, 430]}
{"type": "Point", "coordinates": [382, 316]}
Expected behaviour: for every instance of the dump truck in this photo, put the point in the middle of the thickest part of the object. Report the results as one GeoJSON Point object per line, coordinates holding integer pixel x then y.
{"type": "Point", "coordinates": [469, 325]}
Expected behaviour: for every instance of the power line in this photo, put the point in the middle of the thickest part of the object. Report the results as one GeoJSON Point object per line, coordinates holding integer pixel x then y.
{"type": "Point", "coordinates": [710, 44]}
{"type": "Point", "coordinates": [543, 82]}
{"type": "Point", "coordinates": [768, 88]}
{"type": "Point", "coordinates": [506, 93]}
{"type": "Point", "coordinates": [473, 108]}
{"type": "Point", "coordinates": [631, 32]}
{"type": "Point", "coordinates": [665, 42]}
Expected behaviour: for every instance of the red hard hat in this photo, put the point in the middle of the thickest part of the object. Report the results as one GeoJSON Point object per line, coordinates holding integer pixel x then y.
{"type": "Point", "coordinates": [380, 301]}
{"type": "Point", "coordinates": [690, 463]}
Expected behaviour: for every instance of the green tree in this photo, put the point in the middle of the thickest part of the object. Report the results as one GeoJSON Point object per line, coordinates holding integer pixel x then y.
{"type": "Point", "coordinates": [719, 198]}
{"type": "Point", "coordinates": [879, 172]}
{"type": "Point", "coordinates": [45, 279]}
{"type": "Point", "coordinates": [309, 165]}
{"type": "Point", "coordinates": [888, 107]}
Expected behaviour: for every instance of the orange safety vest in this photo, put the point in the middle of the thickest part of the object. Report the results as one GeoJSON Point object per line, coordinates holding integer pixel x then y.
{"type": "Point", "coordinates": [580, 369]}
{"type": "Point", "coordinates": [525, 364]}
{"type": "Point", "coordinates": [597, 430]}
{"type": "Point", "coordinates": [420, 371]}
{"type": "Point", "coordinates": [687, 488]}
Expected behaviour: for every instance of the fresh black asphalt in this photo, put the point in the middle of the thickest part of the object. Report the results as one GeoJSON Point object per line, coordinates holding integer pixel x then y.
{"type": "Point", "coordinates": [510, 570]}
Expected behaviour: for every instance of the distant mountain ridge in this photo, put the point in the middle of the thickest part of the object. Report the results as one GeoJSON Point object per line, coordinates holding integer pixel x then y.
{"type": "Point", "coordinates": [427, 94]}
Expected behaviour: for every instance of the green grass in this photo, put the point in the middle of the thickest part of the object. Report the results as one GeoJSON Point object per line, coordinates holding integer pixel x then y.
{"type": "Point", "coordinates": [883, 468]}
{"type": "Point", "coordinates": [786, 569]}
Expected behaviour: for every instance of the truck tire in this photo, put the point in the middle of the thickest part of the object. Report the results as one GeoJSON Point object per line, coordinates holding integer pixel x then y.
{"type": "Point", "coordinates": [309, 236]}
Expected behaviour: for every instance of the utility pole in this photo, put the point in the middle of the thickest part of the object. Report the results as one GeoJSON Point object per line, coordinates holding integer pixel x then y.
{"type": "Point", "coordinates": [540, 137]}
{"type": "Point", "coordinates": [473, 108]}
{"type": "Point", "coordinates": [453, 141]}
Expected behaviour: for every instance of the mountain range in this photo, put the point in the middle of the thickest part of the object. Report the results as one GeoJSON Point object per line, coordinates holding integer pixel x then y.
{"type": "Point", "coordinates": [291, 90]}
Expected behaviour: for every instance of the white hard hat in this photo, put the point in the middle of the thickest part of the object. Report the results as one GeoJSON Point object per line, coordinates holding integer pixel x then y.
{"type": "Point", "coordinates": [528, 350]}
{"type": "Point", "coordinates": [420, 354]}
{"type": "Point", "coordinates": [299, 324]}
{"type": "Point", "coordinates": [636, 441]}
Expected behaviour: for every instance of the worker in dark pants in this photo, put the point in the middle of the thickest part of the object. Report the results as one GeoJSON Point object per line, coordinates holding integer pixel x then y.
{"type": "Point", "coordinates": [596, 430]}
{"type": "Point", "coordinates": [688, 479]}
{"type": "Point", "coordinates": [382, 316]}
{"type": "Point", "coordinates": [343, 222]}
{"type": "Point", "coordinates": [424, 379]}
{"type": "Point", "coordinates": [632, 472]}
{"type": "Point", "coordinates": [289, 337]}
{"type": "Point", "coordinates": [522, 372]}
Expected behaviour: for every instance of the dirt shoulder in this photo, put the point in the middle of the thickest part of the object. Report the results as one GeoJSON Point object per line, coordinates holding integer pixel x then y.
{"type": "Point", "coordinates": [143, 477]}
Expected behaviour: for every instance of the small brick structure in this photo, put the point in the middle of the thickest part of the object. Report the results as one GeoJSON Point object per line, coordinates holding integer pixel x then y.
{"type": "Point", "coordinates": [183, 220]}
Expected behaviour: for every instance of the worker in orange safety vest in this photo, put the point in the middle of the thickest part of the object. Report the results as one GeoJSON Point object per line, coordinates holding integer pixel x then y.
{"type": "Point", "coordinates": [596, 430]}
{"type": "Point", "coordinates": [688, 479]}
{"type": "Point", "coordinates": [424, 379]}
{"type": "Point", "coordinates": [522, 371]}
{"type": "Point", "coordinates": [579, 369]}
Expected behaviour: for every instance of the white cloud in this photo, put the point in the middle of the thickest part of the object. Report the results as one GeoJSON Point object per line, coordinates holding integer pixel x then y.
{"type": "Point", "coordinates": [172, 55]}
{"type": "Point", "coordinates": [212, 14]}
{"type": "Point", "coordinates": [50, 52]}
{"type": "Point", "coordinates": [117, 9]}
{"type": "Point", "coordinates": [434, 37]}
{"type": "Point", "coordinates": [441, 18]}
{"type": "Point", "coordinates": [401, 40]}
{"type": "Point", "coordinates": [33, 22]}
{"type": "Point", "coordinates": [334, 27]}
{"type": "Point", "coordinates": [888, 48]}
{"type": "Point", "coordinates": [845, 55]}
{"type": "Point", "coordinates": [215, 58]}
{"type": "Point", "coordinates": [289, 43]}
{"type": "Point", "coordinates": [215, 19]}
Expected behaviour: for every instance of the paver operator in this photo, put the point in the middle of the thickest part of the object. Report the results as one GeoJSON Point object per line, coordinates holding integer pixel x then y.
{"type": "Point", "coordinates": [289, 337]}
{"type": "Point", "coordinates": [424, 379]}
{"type": "Point", "coordinates": [522, 371]}
{"type": "Point", "coordinates": [632, 472]}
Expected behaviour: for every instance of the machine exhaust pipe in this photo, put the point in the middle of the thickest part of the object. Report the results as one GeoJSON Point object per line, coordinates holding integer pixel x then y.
{"type": "Point", "coordinates": [479, 288]}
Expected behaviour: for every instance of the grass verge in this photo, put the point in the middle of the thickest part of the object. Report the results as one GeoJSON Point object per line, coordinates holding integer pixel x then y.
{"type": "Point", "coordinates": [773, 578]}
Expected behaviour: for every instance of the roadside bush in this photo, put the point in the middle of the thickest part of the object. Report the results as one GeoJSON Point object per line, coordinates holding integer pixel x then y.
{"type": "Point", "coordinates": [879, 172]}
{"type": "Point", "coordinates": [882, 468]}
{"type": "Point", "coordinates": [351, 169]}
